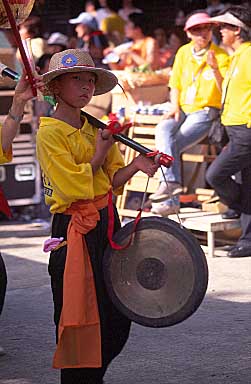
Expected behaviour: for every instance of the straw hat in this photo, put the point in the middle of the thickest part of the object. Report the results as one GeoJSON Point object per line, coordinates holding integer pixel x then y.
{"type": "Point", "coordinates": [78, 60]}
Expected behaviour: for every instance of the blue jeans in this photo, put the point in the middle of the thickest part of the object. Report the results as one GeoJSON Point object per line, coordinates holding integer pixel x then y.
{"type": "Point", "coordinates": [174, 137]}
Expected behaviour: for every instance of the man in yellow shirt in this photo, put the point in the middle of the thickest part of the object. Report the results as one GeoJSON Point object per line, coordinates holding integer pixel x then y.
{"type": "Point", "coordinates": [195, 83]}
{"type": "Point", "coordinates": [235, 25]}
{"type": "Point", "coordinates": [113, 25]}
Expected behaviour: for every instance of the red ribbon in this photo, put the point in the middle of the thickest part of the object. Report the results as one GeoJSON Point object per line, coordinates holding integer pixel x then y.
{"type": "Point", "coordinates": [4, 206]}
{"type": "Point", "coordinates": [111, 226]}
{"type": "Point", "coordinates": [115, 127]}
{"type": "Point", "coordinates": [96, 33]}
{"type": "Point", "coordinates": [162, 158]}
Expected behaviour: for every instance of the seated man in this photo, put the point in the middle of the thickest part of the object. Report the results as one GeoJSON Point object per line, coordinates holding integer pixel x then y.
{"type": "Point", "coordinates": [143, 50]}
{"type": "Point", "coordinates": [195, 84]}
{"type": "Point", "coordinates": [89, 38]}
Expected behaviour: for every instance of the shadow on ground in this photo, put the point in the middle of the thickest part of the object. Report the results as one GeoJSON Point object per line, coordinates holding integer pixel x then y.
{"type": "Point", "coordinates": [213, 346]}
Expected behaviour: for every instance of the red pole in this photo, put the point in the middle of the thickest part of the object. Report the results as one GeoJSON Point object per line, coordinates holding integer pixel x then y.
{"type": "Point", "coordinates": [20, 45]}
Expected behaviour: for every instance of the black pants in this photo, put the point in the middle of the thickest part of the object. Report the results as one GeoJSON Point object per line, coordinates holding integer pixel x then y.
{"type": "Point", "coordinates": [236, 157]}
{"type": "Point", "coordinates": [3, 283]}
{"type": "Point", "coordinates": [114, 326]}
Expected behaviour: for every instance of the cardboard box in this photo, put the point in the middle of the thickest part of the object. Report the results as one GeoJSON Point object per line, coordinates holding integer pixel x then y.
{"type": "Point", "coordinates": [155, 94]}
{"type": "Point", "coordinates": [214, 205]}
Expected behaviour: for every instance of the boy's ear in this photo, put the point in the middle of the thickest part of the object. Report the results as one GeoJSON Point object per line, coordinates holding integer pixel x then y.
{"type": "Point", "coordinates": [53, 87]}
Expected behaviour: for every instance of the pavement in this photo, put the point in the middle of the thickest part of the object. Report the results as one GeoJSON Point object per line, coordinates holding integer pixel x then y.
{"type": "Point", "coordinates": [213, 346]}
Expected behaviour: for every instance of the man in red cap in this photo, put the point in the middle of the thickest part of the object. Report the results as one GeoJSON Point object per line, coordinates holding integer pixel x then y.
{"type": "Point", "coordinates": [195, 83]}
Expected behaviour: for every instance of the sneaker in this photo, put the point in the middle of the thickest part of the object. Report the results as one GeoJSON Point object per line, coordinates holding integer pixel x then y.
{"type": "Point", "coordinates": [2, 352]}
{"type": "Point", "coordinates": [165, 191]}
{"type": "Point", "coordinates": [165, 209]}
{"type": "Point", "coordinates": [231, 214]}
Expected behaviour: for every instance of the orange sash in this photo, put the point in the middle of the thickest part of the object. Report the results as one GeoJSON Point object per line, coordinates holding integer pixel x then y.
{"type": "Point", "coordinates": [79, 335]}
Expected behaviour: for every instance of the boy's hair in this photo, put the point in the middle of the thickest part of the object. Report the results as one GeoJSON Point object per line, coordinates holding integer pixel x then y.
{"type": "Point", "coordinates": [114, 5]}
{"type": "Point", "coordinates": [243, 14]}
{"type": "Point", "coordinates": [139, 20]}
{"type": "Point", "coordinates": [43, 60]}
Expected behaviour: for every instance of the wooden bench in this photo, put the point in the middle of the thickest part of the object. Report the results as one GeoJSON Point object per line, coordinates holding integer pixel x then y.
{"type": "Point", "coordinates": [209, 222]}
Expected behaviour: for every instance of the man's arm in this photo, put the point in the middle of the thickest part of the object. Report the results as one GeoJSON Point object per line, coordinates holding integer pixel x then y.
{"type": "Point", "coordinates": [12, 123]}
{"type": "Point", "coordinates": [23, 93]}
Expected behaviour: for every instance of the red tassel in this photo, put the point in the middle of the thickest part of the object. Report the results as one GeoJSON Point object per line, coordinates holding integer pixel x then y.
{"type": "Point", "coordinates": [4, 206]}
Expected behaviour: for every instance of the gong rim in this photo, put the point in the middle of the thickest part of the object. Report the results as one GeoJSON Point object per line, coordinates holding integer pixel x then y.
{"type": "Point", "coordinates": [199, 263]}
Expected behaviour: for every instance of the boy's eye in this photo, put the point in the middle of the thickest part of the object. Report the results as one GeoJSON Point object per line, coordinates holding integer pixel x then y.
{"type": "Point", "coordinates": [92, 81]}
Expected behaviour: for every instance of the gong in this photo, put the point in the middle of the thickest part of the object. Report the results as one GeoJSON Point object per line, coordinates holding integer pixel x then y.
{"type": "Point", "coordinates": [161, 278]}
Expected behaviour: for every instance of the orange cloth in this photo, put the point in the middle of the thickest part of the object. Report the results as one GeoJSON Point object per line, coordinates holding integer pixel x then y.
{"type": "Point", "coordinates": [147, 49]}
{"type": "Point", "coordinates": [79, 335]}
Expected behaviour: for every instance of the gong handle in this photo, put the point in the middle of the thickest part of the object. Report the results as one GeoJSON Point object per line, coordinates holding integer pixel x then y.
{"type": "Point", "coordinates": [132, 144]}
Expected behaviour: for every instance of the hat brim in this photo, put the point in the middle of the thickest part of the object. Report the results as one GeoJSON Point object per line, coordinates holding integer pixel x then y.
{"type": "Point", "coordinates": [105, 82]}
{"type": "Point", "coordinates": [198, 23]}
{"type": "Point", "coordinates": [220, 19]}
{"type": "Point", "coordinates": [228, 18]}
{"type": "Point", "coordinates": [74, 21]}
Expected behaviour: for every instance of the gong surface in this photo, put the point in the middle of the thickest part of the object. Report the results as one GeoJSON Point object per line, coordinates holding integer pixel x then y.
{"type": "Point", "coordinates": [20, 10]}
{"type": "Point", "coordinates": [161, 278]}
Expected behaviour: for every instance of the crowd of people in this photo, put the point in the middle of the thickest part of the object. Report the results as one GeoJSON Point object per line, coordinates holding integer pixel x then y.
{"type": "Point", "coordinates": [105, 28]}
{"type": "Point", "coordinates": [206, 82]}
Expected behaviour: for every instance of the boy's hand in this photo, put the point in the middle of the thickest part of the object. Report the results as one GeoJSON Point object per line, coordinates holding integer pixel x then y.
{"type": "Point", "coordinates": [103, 144]}
{"type": "Point", "coordinates": [146, 165]}
{"type": "Point", "coordinates": [23, 91]}
{"type": "Point", "coordinates": [211, 60]}
{"type": "Point", "coordinates": [104, 141]}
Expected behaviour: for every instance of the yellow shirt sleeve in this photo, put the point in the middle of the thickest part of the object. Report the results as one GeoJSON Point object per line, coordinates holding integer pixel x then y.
{"type": "Point", "coordinates": [223, 63]}
{"type": "Point", "coordinates": [114, 161]}
{"type": "Point", "coordinates": [5, 157]}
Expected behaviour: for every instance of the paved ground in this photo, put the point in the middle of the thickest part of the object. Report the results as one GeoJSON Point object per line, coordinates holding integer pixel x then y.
{"type": "Point", "coordinates": [211, 347]}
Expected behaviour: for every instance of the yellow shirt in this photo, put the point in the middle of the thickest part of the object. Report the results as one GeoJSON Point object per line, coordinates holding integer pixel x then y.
{"type": "Point", "coordinates": [237, 104]}
{"type": "Point", "coordinates": [5, 157]}
{"type": "Point", "coordinates": [147, 49]}
{"type": "Point", "coordinates": [196, 81]}
{"type": "Point", "coordinates": [64, 153]}
{"type": "Point", "coordinates": [113, 23]}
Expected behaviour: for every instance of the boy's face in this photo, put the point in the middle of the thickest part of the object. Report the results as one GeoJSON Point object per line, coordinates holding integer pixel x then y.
{"type": "Point", "coordinates": [82, 30]}
{"type": "Point", "coordinates": [75, 88]}
{"type": "Point", "coordinates": [201, 35]}
{"type": "Point", "coordinates": [130, 29]}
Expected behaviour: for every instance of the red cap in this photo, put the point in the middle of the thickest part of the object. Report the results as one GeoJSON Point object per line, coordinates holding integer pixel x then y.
{"type": "Point", "coordinates": [197, 19]}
